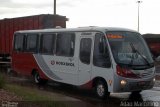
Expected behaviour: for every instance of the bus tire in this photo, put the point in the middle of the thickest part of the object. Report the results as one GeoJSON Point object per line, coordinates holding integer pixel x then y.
{"type": "Point", "coordinates": [37, 78]}
{"type": "Point", "coordinates": [101, 90]}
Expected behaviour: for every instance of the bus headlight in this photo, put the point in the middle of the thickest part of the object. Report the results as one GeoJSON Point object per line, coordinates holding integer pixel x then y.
{"type": "Point", "coordinates": [123, 82]}
{"type": "Point", "coordinates": [154, 79]}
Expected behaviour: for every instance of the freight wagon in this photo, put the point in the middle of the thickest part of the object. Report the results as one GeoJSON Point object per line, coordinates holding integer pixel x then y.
{"type": "Point", "coordinates": [9, 26]}
{"type": "Point", "coordinates": [153, 41]}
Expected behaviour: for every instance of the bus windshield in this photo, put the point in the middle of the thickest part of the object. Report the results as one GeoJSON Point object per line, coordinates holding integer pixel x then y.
{"type": "Point", "coordinates": [128, 48]}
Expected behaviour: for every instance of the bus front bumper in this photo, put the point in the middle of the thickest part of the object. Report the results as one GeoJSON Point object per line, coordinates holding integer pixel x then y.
{"type": "Point", "coordinates": [129, 85]}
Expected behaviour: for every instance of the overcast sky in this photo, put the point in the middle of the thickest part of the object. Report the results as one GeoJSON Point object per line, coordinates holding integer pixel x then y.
{"type": "Point", "coordinates": [109, 13]}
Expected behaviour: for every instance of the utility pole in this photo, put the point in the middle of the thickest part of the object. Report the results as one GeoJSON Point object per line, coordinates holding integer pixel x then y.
{"type": "Point", "coordinates": [138, 13]}
{"type": "Point", "coordinates": [54, 9]}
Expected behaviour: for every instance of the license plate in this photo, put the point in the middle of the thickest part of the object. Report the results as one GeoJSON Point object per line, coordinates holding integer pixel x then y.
{"type": "Point", "coordinates": [141, 83]}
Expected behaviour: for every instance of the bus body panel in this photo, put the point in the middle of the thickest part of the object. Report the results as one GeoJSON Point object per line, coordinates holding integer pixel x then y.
{"type": "Point", "coordinates": [25, 64]}
{"type": "Point", "coordinates": [60, 69]}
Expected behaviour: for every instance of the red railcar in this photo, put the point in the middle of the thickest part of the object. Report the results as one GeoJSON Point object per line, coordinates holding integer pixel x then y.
{"type": "Point", "coordinates": [153, 41]}
{"type": "Point", "coordinates": [9, 26]}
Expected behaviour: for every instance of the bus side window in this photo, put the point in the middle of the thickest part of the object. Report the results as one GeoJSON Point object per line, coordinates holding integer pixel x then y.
{"type": "Point", "coordinates": [32, 43]}
{"type": "Point", "coordinates": [85, 50]}
{"type": "Point", "coordinates": [65, 44]}
{"type": "Point", "coordinates": [101, 57]}
{"type": "Point", "coordinates": [47, 44]}
{"type": "Point", "coordinates": [18, 42]}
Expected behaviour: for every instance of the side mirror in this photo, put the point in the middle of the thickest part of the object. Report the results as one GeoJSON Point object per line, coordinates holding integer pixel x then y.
{"type": "Point", "coordinates": [157, 59]}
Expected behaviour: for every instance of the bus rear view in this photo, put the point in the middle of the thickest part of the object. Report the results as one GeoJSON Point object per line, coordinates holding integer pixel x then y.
{"type": "Point", "coordinates": [133, 64]}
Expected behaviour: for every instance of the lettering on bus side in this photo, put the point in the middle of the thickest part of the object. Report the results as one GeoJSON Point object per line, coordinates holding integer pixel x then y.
{"type": "Point", "coordinates": [61, 63]}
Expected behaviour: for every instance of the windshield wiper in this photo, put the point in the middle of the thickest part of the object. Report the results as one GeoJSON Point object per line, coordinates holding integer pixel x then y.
{"type": "Point", "coordinates": [136, 51]}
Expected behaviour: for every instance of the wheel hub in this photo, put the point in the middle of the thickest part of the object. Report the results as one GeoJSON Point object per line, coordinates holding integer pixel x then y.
{"type": "Point", "coordinates": [100, 90]}
{"type": "Point", "coordinates": [37, 78]}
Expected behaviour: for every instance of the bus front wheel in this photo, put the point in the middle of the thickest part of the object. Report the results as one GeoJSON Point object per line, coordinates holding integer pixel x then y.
{"type": "Point", "coordinates": [101, 90]}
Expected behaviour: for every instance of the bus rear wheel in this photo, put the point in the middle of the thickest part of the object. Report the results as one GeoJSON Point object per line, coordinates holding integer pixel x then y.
{"type": "Point", "coordinates": [38, 79]}
{"type": "Point", "coordinates": [101, 90]}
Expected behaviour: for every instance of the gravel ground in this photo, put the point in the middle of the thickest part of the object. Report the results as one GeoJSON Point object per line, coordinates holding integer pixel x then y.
{"type": "Point", "coordinates": [8, 96]}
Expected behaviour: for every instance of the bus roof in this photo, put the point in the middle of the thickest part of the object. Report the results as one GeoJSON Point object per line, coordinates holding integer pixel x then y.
{"type": "Point", "coordinates": [76, 29]}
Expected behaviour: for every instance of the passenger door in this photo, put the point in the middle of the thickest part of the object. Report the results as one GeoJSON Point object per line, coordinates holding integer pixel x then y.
{"type": "Point", "coordinates": [85, 53]}
{"type": "Point", "coordinates": [64, 64]}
